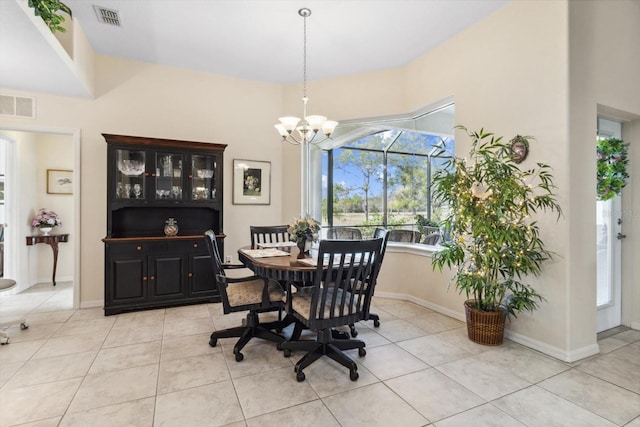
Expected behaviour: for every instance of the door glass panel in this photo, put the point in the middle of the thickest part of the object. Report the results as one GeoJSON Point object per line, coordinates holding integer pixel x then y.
{"type": "Point", "coordinates": [203, 173]}
{"type": "Point", "coordinates": [604, 224]}
{"type": "Point", "coordinates": [168, 176]}
{"type": "Point", "coordinates": [130, 182]}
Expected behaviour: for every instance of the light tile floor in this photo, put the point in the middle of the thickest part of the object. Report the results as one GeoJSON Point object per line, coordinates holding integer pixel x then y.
{"type": "Point", "coordinates": [155, 368]}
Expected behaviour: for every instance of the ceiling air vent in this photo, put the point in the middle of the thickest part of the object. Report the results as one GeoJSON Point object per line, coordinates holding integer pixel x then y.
{"type": "Point", "coordinates": [18, 106]}
{"type": "Point", "coordinates": [107, 16]}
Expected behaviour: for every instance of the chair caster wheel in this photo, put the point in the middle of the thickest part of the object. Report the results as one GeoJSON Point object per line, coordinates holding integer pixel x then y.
{"type": "Point", "coordinates": [353, 374]}
{"type": "Point", "coordinates": [24, 326]}
{"type": "Point", "coordinates": [376, 323]}
{"type": "Point", "coordinates": [362, 352]}
{"type": "Point", "coordinates": [300, 377]}
{"type": "Point", "coordinates": [286, 352]}
{"type": "Point", "coordinates": [239, 357]}
{"type": "Point", "coordinates": [354, 333]}
{"type": "Point", "coordinates": [213, 342]}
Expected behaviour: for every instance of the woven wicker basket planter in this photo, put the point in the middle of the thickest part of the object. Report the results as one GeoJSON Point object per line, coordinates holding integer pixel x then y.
{"type": "Point", "coordinates": [484, 327]}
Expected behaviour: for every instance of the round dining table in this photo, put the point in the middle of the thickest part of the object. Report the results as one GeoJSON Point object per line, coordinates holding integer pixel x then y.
{"type": "Point", "coordinates": [286, 269]}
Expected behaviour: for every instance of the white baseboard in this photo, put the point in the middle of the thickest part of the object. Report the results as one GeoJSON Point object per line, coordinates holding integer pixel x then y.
{"type": "Point", "coordinates": [92, 304]}
{"type": "Point", "coordinates": [540, 346]}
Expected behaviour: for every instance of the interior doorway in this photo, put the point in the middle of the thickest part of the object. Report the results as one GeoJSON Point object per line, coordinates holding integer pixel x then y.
{"type": "Point", "coordinates": [29, 152]}
{"type": "Point", "coordinates": [609, 248]}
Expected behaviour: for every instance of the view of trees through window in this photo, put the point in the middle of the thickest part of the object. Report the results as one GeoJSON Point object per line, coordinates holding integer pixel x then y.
{"type": "Point", "coordinates": [383, 179]}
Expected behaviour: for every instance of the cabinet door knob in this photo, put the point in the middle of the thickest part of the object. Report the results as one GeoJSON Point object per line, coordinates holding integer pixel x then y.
{"type": "Point", "coordinates": [153, 174]}
{"type": "Point", "coordinates": [146, 174]}
{"type": "Point", "coordinates": [190, 177]}
{"type": "Point", "coordinates": [153, 277]}
{"type": "Point", "coordinates": [144, 278]}
{"type": "Point", "coordinates": [190, 274]}
{"type": "Point", "coordinates": [195, 245]}
{"type": "Point", "coordinates": [138, 248]}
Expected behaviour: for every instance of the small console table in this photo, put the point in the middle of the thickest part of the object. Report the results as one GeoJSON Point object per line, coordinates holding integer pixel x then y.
{"type": "Point", "coordinates": [51, 240]}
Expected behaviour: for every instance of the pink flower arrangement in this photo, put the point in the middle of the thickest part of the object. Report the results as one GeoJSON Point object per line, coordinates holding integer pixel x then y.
{"type": "Point", "coordinates": [46, 218]}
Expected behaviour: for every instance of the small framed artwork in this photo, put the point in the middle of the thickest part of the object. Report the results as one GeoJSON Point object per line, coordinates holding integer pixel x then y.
{"type": "Point", "coordinates": [251, 182]}
{"type": "Point", "coordinates": [59, 181]}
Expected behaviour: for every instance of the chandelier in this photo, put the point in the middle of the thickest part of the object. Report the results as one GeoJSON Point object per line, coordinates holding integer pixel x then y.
{"type": "Point", "coordinates": [308, 127]}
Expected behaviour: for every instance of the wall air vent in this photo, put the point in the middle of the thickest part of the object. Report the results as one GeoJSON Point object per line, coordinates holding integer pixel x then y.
{"type": "Point", "coordinates": [18, 106]}
{"type": "Point", "coordinates": [107, 16]}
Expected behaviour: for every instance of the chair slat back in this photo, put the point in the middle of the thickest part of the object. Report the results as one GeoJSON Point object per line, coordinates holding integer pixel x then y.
{"type": "Point", "coordinates": [407, 236]}
{"type": "Point", "coordinates": [343, 287]}
{"type": "Point", "coordinates": [268, 234]}
{"type": "Point", "coordinates": [345, 233]}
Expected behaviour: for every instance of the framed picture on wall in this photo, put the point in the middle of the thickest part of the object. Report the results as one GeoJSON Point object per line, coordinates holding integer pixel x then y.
{"type": "Point", "coordinates": [59, 181]}
{"type": "Point", "coordinates": [251, 182]}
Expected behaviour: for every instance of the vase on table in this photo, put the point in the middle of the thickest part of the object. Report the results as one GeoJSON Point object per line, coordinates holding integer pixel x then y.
{"type": "Point", "coordinates": [45, 230]}
{"type": "Point", "coordinates": [301, 248]}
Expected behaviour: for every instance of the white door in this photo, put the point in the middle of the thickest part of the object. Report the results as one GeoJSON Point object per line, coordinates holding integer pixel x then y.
{"type": "Point", "coordinates": [609, 248]}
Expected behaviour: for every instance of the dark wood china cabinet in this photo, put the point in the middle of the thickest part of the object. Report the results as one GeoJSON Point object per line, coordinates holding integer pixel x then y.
{"type": "Point", "coordinates": [154, 185]}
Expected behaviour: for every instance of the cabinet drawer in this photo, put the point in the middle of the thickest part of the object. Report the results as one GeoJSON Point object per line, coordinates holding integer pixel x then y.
{"type": "Point", "coordinates": [137, 248]}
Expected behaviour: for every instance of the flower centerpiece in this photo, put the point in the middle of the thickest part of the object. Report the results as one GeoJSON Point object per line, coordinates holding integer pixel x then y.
{"type": "Point", "coordinates": [45, 220]}
{"type": "Point", "coordinates": [302, 231]}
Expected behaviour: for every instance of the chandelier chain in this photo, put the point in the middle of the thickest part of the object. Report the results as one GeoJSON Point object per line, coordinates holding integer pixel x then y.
{"type": "Point", "coordinates": [304, 58]}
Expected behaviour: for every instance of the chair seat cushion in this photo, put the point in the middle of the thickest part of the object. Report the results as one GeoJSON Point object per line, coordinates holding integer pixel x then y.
{"type": "Point", "coordinates": [301, 303]}
{"type": "Point", "coordinates": [246, 293]}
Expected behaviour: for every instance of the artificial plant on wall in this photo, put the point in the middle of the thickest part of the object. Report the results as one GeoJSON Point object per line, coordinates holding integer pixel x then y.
{"type": "Point", "coordinates": [49, 11]}
{"type": "Point", "coordinates": [611, 167]}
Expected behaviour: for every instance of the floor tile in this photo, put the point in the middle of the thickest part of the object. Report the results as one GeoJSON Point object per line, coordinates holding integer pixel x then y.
{"type": "Point", "coordinates": [38, 402]}
{"type": "Point", "coordinates": [371, 337]}
{"type": "Point", "coordinates": [48, 422]}
{"type": "Point", "coordinates": [114, 387]}
{"type": "Point", "coordinates": [138, 413]}
{"type": "Point", "coordinates": [100, 326]}
{"type": "Point", "coordinates": [33, 332]}
{"type": "Point", "coordinates": [139, 319]}
{"type": "Point", "coordinates": [182, 326]}
{"type": "Point", "coordinates": [605, 399]}
{"type": "Point", "coordinates": [614, 370]}
{"type": "Point", "coordinates": [522, 362]}
{"type": "Point", "coordinates": [126, 356]}
{"type": "Point", "coordinates": [262, 356]}
{"type": "Point", "coordinates": [481, 416]}
{"type": "Point", "coordinates": [208, 405]}
{"type": "Point", "coordinates": [607, 345]}
{"type": "Point", "coordinates": [433, 323]}
{"type": "Point", "coordinates": [433, 394]}
{"type": "Point", "coordinates": [535, 406]}
{"type": "Point", "coordinates": [433, 349]}
{"type": "Point", "coordinates": [8, 370]}
{"type": "Point", "coordinates": [390, 361]}
{"type": "Point", "coordinates": [347, 407]}
{"type": "Point", "coordinates": [311, 414]}
{"type": "Point", "coordinates": [187, 346]}
{"type": "Point", "coordinates": [179, 374]}
{"type": "Point", "coordinates": [399, 330]}
{"type": "Point", "coordinates": [49, 317]}
{"type": "Point", "coordinates": [59, 346]}
{"type": "Point", "coordinates": [19, 351]}
{"type": "Point", "coordinates": [283, 392]}
{"type": "Point", "coordinates": [50, 369]}
{"type": "Point", "coordinates": [483, 378]}
{"type": "Point", "coordinates": [142, 333]}
{"type": "Point", "coordinates": [327, 377]}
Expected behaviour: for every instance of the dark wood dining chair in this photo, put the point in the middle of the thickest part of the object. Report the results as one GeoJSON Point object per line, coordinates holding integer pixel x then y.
{"type": "Point", "coordinates": [254, 294]}
{"type": "Point", "coordinates": [406, 236]}
{"type": "Point", "coordinates": [268, 234]}
{"type": "Point", "coordinates": [344, 233]}
{"type": "Point", "coordinates": [340, 295]}
{"type": "Point", "coordinates": [379, 233]}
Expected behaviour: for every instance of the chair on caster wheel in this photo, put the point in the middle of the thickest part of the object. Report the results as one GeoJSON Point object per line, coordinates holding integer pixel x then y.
{"type": "Point", "coordinates": [341, 295]}
{"type": "Point", "coordinates": [253, 293]}
{"type": "Point", "coordinates": [5, 285]}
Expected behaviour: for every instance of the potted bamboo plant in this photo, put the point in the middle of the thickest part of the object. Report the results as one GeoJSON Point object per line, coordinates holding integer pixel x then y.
{"type": "Point", "coordinates": [495, 244]}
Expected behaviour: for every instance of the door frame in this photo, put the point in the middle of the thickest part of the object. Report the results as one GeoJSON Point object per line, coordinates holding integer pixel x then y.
{"type": "Point", "coordinates": [75, 134]}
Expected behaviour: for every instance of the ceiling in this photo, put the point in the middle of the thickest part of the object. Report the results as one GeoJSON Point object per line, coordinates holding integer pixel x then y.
{"type": "Point", "coordinates": [252, 39]}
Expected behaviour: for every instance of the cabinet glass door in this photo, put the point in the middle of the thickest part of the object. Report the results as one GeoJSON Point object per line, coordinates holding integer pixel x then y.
{"type": "Point", "coordinates": [130, 181]}
{"type": "Point", "coordinates": [168, 176]}
{"type": "Point", "coordinates": [203, 176]}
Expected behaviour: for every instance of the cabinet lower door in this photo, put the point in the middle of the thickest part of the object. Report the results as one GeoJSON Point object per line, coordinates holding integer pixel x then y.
{"type": "Point", "coordinates": [202, 280]}
{"type": "Point", "coordinates": [128, 281]}
{"type": "Point", "coordinates": [166, 277]}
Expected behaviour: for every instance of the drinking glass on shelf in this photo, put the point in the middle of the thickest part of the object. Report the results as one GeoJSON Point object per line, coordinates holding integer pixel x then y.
{"type": "Point", "coordinates": [119, 190]}
{"type": "Point", "coordinates": [176, 191]}
{"type": "Point", "coordinates": [137, 190]}
{"type": "Point", "coordinates": [127, 191]}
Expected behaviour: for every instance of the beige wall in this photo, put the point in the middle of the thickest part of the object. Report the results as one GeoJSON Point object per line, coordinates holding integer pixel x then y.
{"type": "Point", "coordinates": [509, 73]}
{"type": "Point", "coordinates": [603, 78]}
